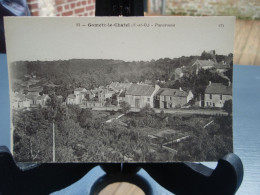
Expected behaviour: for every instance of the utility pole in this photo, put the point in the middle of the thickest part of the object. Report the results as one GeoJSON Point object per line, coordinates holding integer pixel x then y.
{"type": "Point", "coordinates": [53, 141]}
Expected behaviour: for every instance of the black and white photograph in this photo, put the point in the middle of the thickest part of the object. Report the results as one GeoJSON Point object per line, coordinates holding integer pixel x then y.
{"type": "Point", "coordinates": [114, 89]}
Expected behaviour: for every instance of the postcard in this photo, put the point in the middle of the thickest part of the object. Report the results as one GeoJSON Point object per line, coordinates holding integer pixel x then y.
{"type": "Point", "coordinates": [120, 89]}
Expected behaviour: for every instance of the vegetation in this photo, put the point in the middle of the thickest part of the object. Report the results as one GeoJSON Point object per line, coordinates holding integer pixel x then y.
{"type": "Point", "coordinates": [86, 135]}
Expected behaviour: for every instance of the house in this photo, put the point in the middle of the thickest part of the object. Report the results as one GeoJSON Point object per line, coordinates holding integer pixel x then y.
{"type": "Point", "coordinates": [140, 95]}
{"type": "Point", "coordinates": [42, 100]}
{"type": "Point", "coordinates": [79, 95]}
{"type": "Point", "coordinates": [172, 98]}
{"type": "Point", "coordinates": [121, 97]}
{"type": "Point", "coordinates": [216, 94]}
{"type": "Point", "coordinates": [104, 94]}
{"type": "Point", "coordinates": [203, 64]}
{"type": "Point", "coordinates": [35, 91]}
{"type": "Point", "coordinates": [89, 95]}
{"type": "Point", "coordinates": [19, 101]}
{"type": "Point", "coordinates": [222, 67]}
{"type": "Point", "coordinates": [71, 99]}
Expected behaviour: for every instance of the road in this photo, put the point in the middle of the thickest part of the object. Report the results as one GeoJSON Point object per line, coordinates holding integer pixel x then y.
{"type": "Point", "coordinates": [188, 111]}
{"type": "Point", "coordinates": [172, 111]}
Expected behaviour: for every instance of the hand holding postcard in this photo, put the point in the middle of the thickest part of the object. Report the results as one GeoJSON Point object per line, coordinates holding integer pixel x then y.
{"type": "Point", "coordinates": [109, 89]}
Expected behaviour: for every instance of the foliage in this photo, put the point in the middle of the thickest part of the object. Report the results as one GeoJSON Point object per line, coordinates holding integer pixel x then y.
{"type": "Point", "coordinates": [125, 107]}
{"type": "Point", "coordinates": [206, 56]}
{"type": "Point", "coordinates": [31, 136]}
{"type": "Point", "coordinates": [146, 111]}
{"type": "Point", "coordinates": [85, 135]}
{"type": "Point", "coordinates": [228, 106]}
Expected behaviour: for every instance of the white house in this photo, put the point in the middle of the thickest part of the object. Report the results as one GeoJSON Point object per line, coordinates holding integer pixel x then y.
{"type": "Point", "coordinates": [216, 94]}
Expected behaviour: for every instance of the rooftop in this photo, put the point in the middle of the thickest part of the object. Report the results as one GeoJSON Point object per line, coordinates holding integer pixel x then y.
{"type": "Point", "coordinates": [172, 92]}
{"type": "Point", "coordinates": [203, 63]}
{"type": "Point", "coordinates": [140, 90]}
{"type": "Point", "coordinates": [219, 88]}
{"type": "Point", "coordinates": [71, 96]}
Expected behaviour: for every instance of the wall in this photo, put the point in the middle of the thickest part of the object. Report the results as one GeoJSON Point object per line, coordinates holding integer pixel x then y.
{"type": "Point", "coordinates": [216, 100]}
{"type": "Point", "coordinates": [173, 100]}
{"type": "Point", "coordinates": [131, 99]}
{"type": "Point", "coordinates": [246, 9]}
{"type": "Point", "coordinates": [62, 7]}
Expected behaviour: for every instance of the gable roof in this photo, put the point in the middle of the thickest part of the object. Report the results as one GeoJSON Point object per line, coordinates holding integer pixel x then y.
{"type": "Point", "coordinates": [204, 63]}
{"type": "Point", "coordinates": [140, 90]}
{"type": "Point", "coordinates": [35, 89]}
{"type": "Point", "coordinates": [222, 66]}
{"type": "Point", "coordinates": [173, 92]}
{"type": "Point", "coordinates": [31, 96]}
{"type": "Point", "coordinates": [219, 88]}
{"type": "Point", "coordinates": [71, 96]}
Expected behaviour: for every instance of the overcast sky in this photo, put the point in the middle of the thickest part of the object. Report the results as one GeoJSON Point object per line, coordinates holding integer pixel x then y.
{"type": "Point", "coordinates": [35, 38]}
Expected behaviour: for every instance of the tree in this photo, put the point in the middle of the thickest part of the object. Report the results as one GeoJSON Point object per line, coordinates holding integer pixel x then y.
{"type": "Point", "coordinates": [206, 56]}
{"type": "Point", "coordinates": [125, 107]}
{"type": "Point", "coordinates": [84, 118]}
{"type": "Point", "coordinates": [31, 136]}
{"type": "Point", "coordinates": [147, 110]}
{"type": "Point", "coordinates": [228, 107]}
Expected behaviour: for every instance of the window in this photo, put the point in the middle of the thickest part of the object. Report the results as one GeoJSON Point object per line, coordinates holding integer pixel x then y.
{"type": "Point", "coordinates": [220, 97]}
{"type": "Point", "coordinates": [213, 104]}
{"type": "Point", "coordinates": [164, 98]}
{"type": "Point", "coordinates": [170, 98]}
{"type": "Point", "coordinates": [210, 96]}
{"type": "Point", "coordinates": [148, 99]}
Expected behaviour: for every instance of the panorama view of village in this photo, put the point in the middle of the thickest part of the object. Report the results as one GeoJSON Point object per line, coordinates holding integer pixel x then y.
{"type": "Point", "coordinates": [96, 110]}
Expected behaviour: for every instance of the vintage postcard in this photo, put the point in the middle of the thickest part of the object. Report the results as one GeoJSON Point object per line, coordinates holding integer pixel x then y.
{"type": "Point", "coordinates": [115, 89]}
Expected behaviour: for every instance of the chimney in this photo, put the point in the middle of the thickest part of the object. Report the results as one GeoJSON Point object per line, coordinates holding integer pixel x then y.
{"type": "Point", "coordinates": [209, 83]}
{"type": "Point", "coordinates": [157, 87]}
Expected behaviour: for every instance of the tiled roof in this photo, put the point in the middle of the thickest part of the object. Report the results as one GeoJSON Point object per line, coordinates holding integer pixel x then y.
{"type": "Point", "coordinates": [18, 97]}
{"type": "Point", "coordinates": [140, 90]}
{"type": "Point", "coordinates": [172, 92]}
{"type": "Point", "coordinates": [159, 92]}
{"type": "Point", "coordinates": [71, 96]}
{"type": "Point", "coordinates": [35, 89]}
{"type": "Point", "coordinates": [219, 88]}
{"type": "Point", "coordinates": [31, 96]}
{"type": "Point", "coordinates": [222, 66]}
{"type": "Point", "coordinates": [203, 63]}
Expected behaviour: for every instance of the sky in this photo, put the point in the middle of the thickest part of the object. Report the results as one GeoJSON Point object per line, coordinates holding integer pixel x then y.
{"type": "Point", "coordinates": [55, 38]}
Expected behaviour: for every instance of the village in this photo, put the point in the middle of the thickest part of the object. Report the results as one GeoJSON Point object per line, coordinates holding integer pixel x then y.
{"type": "Point", "coordinates": [131, 121]}
{"type": "Point", "coordinates": [137, 95]}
